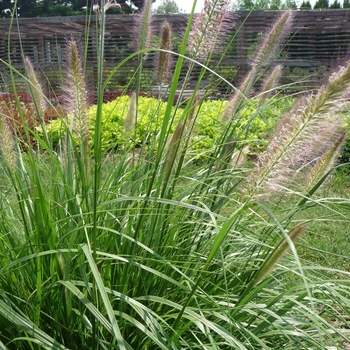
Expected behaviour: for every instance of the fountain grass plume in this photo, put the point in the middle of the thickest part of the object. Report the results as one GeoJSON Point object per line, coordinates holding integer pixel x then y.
{"type": "Point", "coordinates": [131, 114]}
{"type": "Point", "coordinates": [76, 99]}
{"type": "Point", "coordinates": [270, 82]}
{"type": "Point", "coordinates": [238, 97]}
{"type": "Point", "coordinates": [207, 27]}
{"type": "Point", "coordinates": [302, 126]}
{"type": "Point", "coordinates": [7, 143]}
{"type": "Point", "coordinates": [332, 128]}
{"type": "Point", "coordinates": [266, 52]}
{"type": "Point", "coordinates": [180, 138]}
{"type": "Point", "coordinates": [36, 90]}
{"type": "Point", "coordinates": [143, 28]}
{"type": "Point", "coordinates": [172, 147]}
{"type": "Point", "coordinates": [273, 40]}
{"type": "Point", "coordinates": [277, 254]}
{"type": "Point", "coordinates": [190, 121]}
{"type": "Point", "coordinates": [192, 111]}
{"type": "Point", "coordinates": [324, 164]}
{"type": "Point", "coordinates": [163, 60]}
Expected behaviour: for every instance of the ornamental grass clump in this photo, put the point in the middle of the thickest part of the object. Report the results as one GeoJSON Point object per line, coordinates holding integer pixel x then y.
{"type": "Point", "coordinates": [99, 251]}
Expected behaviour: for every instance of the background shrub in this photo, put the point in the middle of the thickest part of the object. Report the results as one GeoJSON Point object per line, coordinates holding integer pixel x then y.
{"type": "Point", "coordinates": [253, 123]}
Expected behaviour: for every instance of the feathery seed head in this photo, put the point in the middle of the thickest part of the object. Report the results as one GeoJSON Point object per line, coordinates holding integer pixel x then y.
{"type": "Point", "coordinates": [163, 62]}
{"type": "Point", "coordinates": [238, 96]}
{"type": "Point", "coordinates": [7, 143]}
{"type": "Point", "coordinates": [331, 96]}
{"type": "Point", "coordinates": [276, 256]}
{"type": "Point", "coordinates": [172, 150]}
{"type": "Point", "coordinates": [307, 123]}
{"type": "Point", "coordinates": [74, 62]}
{"type": "Point", "coordinates": [270, 82]}
{"type": "Point", "coordinates": [273, 40]}
{"type": "Point", "coordinates": [36, 89]}
{"type": "Point", "coordinates": [207, 27]}
{"type": "Point", "coordinates": [76, 94]}
{"type": "Point", "coordinates": [262, 57]}
{"type": "Point", "coordinates": [143, 26]}
{"type": "Point", "coordinates": [194, 108]}
{"type": "Point", "coordinates": [180, 138]}
{"type": "Point", "coordinates": [325, 163]}
{"type": "Point", "coordinates": [131, 114]}
{"type": "Point", "coordinates": [328, 132]}
{"type": "Point", "coordinates": [190, 120]}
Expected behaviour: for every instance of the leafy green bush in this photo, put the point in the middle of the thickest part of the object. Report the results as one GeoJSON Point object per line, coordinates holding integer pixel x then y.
{"type": "Point", "coordinates": [113, 117]}
{"type": "Point", "coordinates": [253, 123]}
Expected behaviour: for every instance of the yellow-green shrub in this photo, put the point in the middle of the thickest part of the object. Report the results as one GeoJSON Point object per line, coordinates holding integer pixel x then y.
{"type": "Point", "coordinates": [252, 123]}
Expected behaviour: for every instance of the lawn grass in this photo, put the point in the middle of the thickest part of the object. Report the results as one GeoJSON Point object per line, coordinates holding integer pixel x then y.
{"type": "Point", "coordinates": [327, 241]}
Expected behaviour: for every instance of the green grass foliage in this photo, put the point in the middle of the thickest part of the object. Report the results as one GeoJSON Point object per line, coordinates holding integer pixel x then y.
{"type": "Point", "coordinates": [147, 248]}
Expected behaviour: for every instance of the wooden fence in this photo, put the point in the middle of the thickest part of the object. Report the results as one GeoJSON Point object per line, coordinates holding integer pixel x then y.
{"type": "Point", "coordinates": [319, 42]}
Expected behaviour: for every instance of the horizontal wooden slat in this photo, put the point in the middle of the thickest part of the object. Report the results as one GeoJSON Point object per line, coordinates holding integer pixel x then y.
{"type": "Point", "coordinates": [319, 41]}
